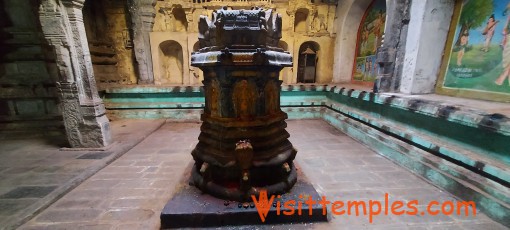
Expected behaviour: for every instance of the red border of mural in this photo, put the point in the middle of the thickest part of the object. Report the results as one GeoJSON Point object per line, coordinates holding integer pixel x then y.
{"type": "Point", "coordinates": [356, 52]}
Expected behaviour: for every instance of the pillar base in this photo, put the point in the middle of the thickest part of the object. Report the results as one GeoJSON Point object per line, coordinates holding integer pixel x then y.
{"type": "Point", "coordinates": [190, 208]}
{"type": "Point", "coordinates": [95, 132]}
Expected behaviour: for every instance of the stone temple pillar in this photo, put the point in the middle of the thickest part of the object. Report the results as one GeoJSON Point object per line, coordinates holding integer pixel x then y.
{"type": "Point", "coordinates": [243, 147]}
{"type": "Point", "coordinates": [142, 13]}
{"type": "Point", "coordinates": [390, 57]}
{"type": "Point", "coordinates": [82, 109]}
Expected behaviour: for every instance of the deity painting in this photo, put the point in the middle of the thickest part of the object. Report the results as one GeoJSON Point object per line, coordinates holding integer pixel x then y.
{"type": "Point", "coordinates": [480, 51]}
{"type": "Point", "coordinates": [370, 34]}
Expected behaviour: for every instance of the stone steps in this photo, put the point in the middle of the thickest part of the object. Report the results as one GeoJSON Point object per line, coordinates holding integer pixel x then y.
{"type": "Point", "coordinates": [491, 197]}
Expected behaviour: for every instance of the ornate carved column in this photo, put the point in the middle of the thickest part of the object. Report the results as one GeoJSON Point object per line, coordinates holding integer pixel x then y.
{"type": "Point", "coordinates": [243, 147]}
{"type": "Point", "coordinates": [83, 111]}
{"type": "Point", "coordinates": [82, 57]}
{"type": "Point", "coordinates": [142, 14]}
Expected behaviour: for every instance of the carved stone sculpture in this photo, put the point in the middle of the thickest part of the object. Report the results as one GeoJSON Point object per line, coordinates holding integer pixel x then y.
{"type": "Point", "coordinates": [243, 146]}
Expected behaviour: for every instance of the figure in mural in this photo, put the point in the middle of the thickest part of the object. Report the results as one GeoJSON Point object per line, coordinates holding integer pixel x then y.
{"type": "Point", "coordinates": [464, 40]}
{"type": "Point", "coordinates": [364, 38]}
{"type": "Point", "coordinates": [369, 39]}
{"type": "Point", "coordinates": [488, 32]}
{"type": "Point", "coordinates": [479, 60]}
{"type": "Point", "coordinates": [506, 52]}
{"type": "Point", "coordinates": [378, 28]}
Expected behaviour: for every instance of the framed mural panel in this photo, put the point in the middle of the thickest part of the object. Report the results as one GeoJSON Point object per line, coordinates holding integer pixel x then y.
{"type": "Point", "coordinates": [476, 63]}
{"type": "Point", "coordinates": [370, 32]}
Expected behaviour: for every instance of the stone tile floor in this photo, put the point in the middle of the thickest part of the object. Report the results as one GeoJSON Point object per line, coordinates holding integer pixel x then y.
{"type": "Point", "coordinates": [34, 172]}
{"type": "Point", "coordinates": [130, 192]}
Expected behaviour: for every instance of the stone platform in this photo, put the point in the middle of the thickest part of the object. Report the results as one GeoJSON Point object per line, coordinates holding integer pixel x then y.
{"type": "Point", "coordinates": [189, 207]}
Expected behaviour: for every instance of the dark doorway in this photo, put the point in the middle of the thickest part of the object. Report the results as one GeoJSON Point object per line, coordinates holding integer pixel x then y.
{"type": "Point", "coordinates": [307, 62]}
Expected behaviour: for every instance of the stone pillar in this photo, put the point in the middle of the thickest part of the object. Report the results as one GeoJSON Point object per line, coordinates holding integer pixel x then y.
{"type": "Point", "coordinates": [89, 93]}
{"type": "Point", "coordinates": [390, 57]}
{"type": "Point", "coordinates": [83, 111]}
{"type": "Point", "coordinates": [424, 50]}
{"type": "Point", "coordinates": [142, 14]}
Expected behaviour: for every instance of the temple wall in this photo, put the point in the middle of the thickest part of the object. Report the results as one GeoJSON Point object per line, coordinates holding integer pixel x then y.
{"type": "Point", "coordinates": [27, 70]}
{"type": "Point", "coordinates": [348, 18]}
{"type": "Point", "coordinates": [176, 21]}
{"type": "Point", "coordinates": [170, 58]}
{"type": "Point", "coordinates": [149, 42]}
{"type": "Point", "coordinates": [110, 41]}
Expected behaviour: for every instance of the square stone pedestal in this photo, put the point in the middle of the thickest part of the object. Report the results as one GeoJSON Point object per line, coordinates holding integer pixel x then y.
{"type": "Point", "coordinates": [189, 207]}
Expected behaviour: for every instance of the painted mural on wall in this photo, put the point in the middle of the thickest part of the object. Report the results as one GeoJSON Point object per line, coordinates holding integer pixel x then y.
{"type": "Point", "coordinates": [370, 35]}
{"type": "Point", "coordinates": [480, 52]}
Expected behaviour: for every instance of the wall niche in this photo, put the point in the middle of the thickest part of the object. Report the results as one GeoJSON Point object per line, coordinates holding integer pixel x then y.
{"type": "Point", "coordinates": [308, 62]}
{"type": "Point", "coordinates": [300, 23]}
{"type": "Point", "coordinates": [171, 62]}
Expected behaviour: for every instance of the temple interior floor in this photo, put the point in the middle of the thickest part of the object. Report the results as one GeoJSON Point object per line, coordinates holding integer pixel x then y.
{"type": "Point", "coordinates": [130, 192]}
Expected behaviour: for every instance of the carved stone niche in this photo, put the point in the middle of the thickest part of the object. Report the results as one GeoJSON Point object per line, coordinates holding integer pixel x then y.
{"type": "Point", "coordinates": [243, 147]}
